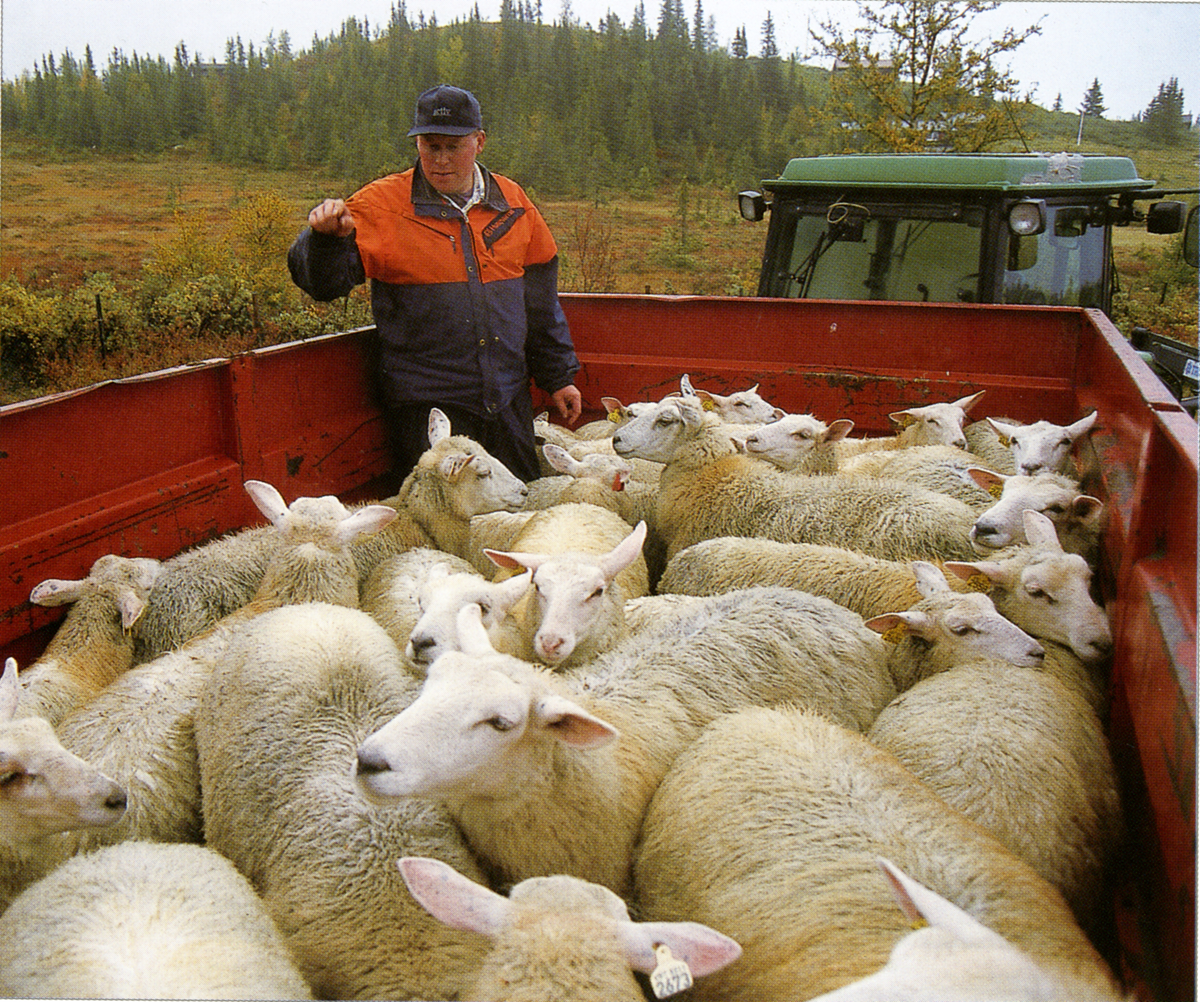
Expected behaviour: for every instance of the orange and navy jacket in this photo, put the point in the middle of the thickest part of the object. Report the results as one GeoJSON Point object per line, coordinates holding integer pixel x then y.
{"type": "Point", "coordinates": [467, 309]}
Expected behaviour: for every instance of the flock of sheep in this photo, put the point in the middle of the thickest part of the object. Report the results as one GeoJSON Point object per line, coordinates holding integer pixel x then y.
{"type": "Point", "coordinates": [727, 705]}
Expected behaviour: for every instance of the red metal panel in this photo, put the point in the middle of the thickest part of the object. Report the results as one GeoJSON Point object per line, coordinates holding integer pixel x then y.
{"type": "Point", "coordinates": [854, 360]}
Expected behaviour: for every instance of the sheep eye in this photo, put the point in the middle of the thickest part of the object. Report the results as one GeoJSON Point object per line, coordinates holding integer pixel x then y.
{"type": "Point", "coordinates": [598, 593]}
{"type": "Point", "coordinates": [10, 777]}
{"type": "Point", "coordinates": [501, 724]}
{"type": "Point", "coordinates": [485, 608]}
{"type": "Point", "coordinates": [1054, 509]}
{"type": "Point", "coordinates": [484, 474]}
{"type": "Point", "coordinates": [962, 629]}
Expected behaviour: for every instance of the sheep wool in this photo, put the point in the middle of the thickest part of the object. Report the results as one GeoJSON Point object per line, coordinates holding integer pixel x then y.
{"type": "Point", "coordinates": [768, 827]}
{"type": "Point", "coordinates": [143, 920]}
{"type": "Point", "coordinates": [277, 729]}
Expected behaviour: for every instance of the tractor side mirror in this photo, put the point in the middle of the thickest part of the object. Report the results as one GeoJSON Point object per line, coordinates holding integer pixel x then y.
{"type": "Point", "coordinates": [1165, 217]}
{"type": "Point", "coordinates": [1189, 238]}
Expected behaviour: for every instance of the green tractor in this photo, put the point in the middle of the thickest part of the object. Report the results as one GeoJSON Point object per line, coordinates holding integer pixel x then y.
{"type": "Point", "coordinates": [970, 228]}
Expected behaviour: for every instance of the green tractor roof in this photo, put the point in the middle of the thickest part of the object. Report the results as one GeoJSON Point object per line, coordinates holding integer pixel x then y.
{"type": "Point", "coordinates": [1031, 172]}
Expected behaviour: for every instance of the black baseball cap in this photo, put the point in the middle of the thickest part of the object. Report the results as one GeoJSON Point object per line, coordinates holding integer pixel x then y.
{"type": "Point", "coordinates": [446, 111]}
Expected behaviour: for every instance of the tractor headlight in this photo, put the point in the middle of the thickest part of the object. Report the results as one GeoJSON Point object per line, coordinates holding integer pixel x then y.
{"type": "Point", "coordinates": [1028, 217]}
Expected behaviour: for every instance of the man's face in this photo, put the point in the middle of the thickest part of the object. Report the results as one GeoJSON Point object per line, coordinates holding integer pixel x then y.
{"type": "Point", "coordinates": [449, 161]}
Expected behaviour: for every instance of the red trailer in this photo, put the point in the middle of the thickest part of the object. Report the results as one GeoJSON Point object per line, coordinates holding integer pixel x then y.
{"type": "Point", "coordinates": [151, 465]}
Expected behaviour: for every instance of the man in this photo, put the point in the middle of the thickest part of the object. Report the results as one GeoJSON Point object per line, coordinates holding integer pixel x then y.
{"type": "Point", "coordinates": [464, 276]}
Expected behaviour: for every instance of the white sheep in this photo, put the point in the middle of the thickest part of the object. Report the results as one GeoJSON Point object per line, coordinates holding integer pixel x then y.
{"type": "Point", "coordinates": [526, 759]}
{"type": "Point", "coordinates": [932, 424]}
{"type": "Point", "coordinates": [1037, 586]}
{"type": "Point", "coordinates": [941, 468]}
{"type": "Point", "coordinates": [559, 937]}
{"type": "Point", "coordinates": [947, 628]}
{"type": "Point", "coordinates": [949, 957]}
{"type": "Point", "coordinates": [455, 479]}
{"type": "Point", "coordinates": [768, 826]}
{"type": "Point", "coordinates": [1024, 756]}
{"type": "Point", "coordinates": [1041, 447]}
{"type": "Point", "coordinates": [707, 489]}
{"type": "Point", "coordinates": [607, 469]}
{"type": "Point", "coordinates": [799, 443]}
{"type": "Point", "coordinates": [391, 595]}
{"type": "Point", "coordinates": [44, 791]}
{"type": "Point", "coordinates": [145, 920]}
{"type": "Point", "coordinates": [616, 414]}
{"type": "Point", "coordinates": [139, 729]}
{"type": "Point", "coordinates": [94, 643]}
{"type": "Point", "coordinates": [277, 729]}
{"type": "Point", "coordinates": [444, 594]}
{"type": "Point", "coordinates": [1078, 518]}
{"type": "Point", "coordinates": [740, 407]}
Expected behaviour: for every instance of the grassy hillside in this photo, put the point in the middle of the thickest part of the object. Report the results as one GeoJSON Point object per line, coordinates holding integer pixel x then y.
{"type": "Point", "coordinates": [139, 231]}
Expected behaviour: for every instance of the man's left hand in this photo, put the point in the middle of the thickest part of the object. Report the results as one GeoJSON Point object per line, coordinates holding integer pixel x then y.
{"type": "Point", "coordinates": [568, 402]}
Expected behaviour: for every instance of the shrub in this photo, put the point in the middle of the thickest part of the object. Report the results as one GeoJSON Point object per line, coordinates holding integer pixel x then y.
{"type": "Point", "coordinates": [30, 335]}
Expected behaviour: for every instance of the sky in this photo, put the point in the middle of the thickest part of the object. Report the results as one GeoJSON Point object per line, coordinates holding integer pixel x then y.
{"type": "Point", "coordinates": [1130, 46]}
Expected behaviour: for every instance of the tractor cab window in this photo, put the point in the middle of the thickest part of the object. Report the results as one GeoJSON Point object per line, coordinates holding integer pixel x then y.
{"type": "Point", "coordinates": [906, 253]}
{"type": "Point", "coordinates": [1061, 266]}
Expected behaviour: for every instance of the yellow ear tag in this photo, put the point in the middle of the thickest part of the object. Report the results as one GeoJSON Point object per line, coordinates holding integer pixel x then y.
{"type": "Point", "coordinates": [614, 417]}
{"type": "Point", "coordinates": [671, 976]}
{"type": "Point", "coordinates": [708, 405]}
{"type": "Point", "coordinates": [918, 923]}
{"type": "Point", "coordinates": [905, 420]}
{"type": "Point", "coordinates": [895, 634]}
{"type": "Point", "coordinates": [1005, 440]}
{"type": "Point", "coordinates": [995, 490]}
{"type": "Point", "coordinates": [979, 582]}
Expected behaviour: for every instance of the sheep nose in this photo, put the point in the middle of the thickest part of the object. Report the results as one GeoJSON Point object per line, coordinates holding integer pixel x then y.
{"type": "Point", "coordinates": [1030, 469]}
{"type": "Point", "coordinates": [370, 762]}
{"type": "Point", "coordinates": [116, 801]}
{"type": "Point", "coordinates": [419, 647]}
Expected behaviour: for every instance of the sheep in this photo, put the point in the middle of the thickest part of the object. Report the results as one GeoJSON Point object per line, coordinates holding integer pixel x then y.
{"type": "Point", "coordinates": [607, 470]}
{"type": "Point", "coordinates": [455, 479]}
{"type": "Point", "coordinates": [947, 628]}
{"type": "Point", "coordinates": [933, 424]}
{"type": "Point", "coordinates": [391, 595]}
{"type": "Point", "coordinates": [145, 920]}
{"type": "Point", "coordinates": [1026, 449]}
{"type": "Point", "coordinates": [140, 730]}
{"type": "Point", "coordinates": [277, 728]}
{"type": "Point", "coordinates": [1024, 756]}
{"type": "Point", "coordinates": [94, 643]}
{"type": "Point", "coordinates": [949, 955]}
{"type": "Point", "coordinates": [742, 407]}
{"type": "Point", "coordinates": [767, 827]}
{"type": "Point", "coordinates": [708, 490]}
{"type": "Point", "coordinates": [616, 414]}
{"type": "Point", "coordinates": [44, 791]}
{"type": "Point", "coordinates": [559, 937]}
{"type": "Point", "coordinates": [442, 596]}
{"type": "Point", "coordinates": [575, 609]}
{"type": "Point", "coordinates": [1078, 518]}
{"type": "Point", "coordinates": [1037, 586]}
{"type": "Point", "coordinates": [526, 760]}
{"type": "Point", "coordinates": [941, 468]}
{"type": "Point", "coordinates": [799, 443]}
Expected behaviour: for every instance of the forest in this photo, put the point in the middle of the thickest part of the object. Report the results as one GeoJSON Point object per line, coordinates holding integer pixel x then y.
{"type": "Point", "coordinates": [632, 137]}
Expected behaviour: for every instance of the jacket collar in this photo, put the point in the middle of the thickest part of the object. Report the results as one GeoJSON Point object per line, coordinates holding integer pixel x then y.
{"type": "Point", "coordinates": [426, 197]}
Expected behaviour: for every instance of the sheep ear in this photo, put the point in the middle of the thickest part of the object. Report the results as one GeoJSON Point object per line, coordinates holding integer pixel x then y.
{"type": "Point", "coordinates": [131, 606]}
{"type": "Point", "coordinates": [1040, 531]}
{"type": "Point", "coordinates": [511, 560]}
{"type": "Point", "coordinates": [57, 591]}
{"type": "Point", "coordinates": [10, 690]}
{"type": "Point", "coordinates": [966, 403]}
{"type": "Point", "coordinates": [1085, 506]}
{"type": "Point", "coordinates": [704, 950]}
{"type": "Point", "coordinates": [902, 419]}
{"type": "Point", "coordinates": [990, 569]}
{"type": "Point", "coordinates": [559, 458]}
{"type": "Point", "coordinates": [439, 426]}
{"type": "Point", "coordinates": [509, 592]}
{"type": "Point", "coordinates": [894, 625]}
{"type": "Point", "coordinates": [624, 553]}
{"type": "Point", "coordinates": [989, 480]}
{"type": "Point", "coordinates": [453, 899]}
{"type": "Point", "coordinates": [365, 521]}
{"type": "Point", "coordinates": [267, 499]}
{"type": "Point", "coordinates": [1003, 429]}
{"type": "Point", "coordinates": [472, 637]}
{"type": "Point", "coordinates": [612, 406]}
{"type": "Point", "coordinates": [685, 386]}
{"type": "Point", "coordinates": [1082, 426]}
{"type": "Point", "coordinates": [838, 430]}
{"type": "Point", "coordinates": [148, 570]}
{"type": "Point", "coordinates": [571, 724]}
{"type": "Point", "coordinates": [930, 579]}
{"type": "Point", "coordinates": [920, 905]}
